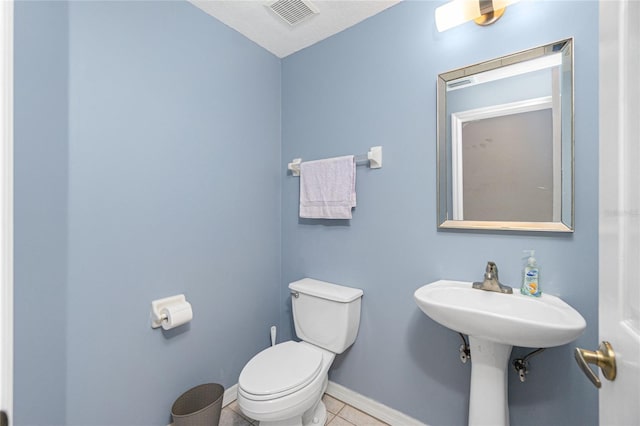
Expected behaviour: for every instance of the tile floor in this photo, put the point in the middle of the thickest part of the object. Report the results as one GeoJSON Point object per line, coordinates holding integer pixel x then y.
{"type": "Point", "coordinates": [338, 414]}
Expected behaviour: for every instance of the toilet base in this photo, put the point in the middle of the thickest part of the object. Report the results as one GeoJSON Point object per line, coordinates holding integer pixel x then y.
{"type": "Point", "coordinates": [316, 416]}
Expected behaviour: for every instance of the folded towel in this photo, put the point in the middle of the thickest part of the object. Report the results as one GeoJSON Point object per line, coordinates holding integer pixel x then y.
{"type": "Point", "coordinates": [328, 188]}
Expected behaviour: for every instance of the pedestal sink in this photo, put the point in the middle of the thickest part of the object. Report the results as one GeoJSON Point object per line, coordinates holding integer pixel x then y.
{"type": "Point", "coordinates": [496, 322]}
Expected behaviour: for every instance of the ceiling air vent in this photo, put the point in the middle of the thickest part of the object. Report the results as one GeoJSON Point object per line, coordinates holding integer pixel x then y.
{"type": "Point", "coordinates": [293, 11]}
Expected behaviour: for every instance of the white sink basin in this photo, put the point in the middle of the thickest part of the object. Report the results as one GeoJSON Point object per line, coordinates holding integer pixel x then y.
{"type": "Point", "coordinates": [510, 319]}
{"type": "Point", "coordinates": [495, 322]}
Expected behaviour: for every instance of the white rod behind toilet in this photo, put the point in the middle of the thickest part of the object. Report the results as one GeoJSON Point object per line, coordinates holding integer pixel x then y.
{"type": "Point", "coordinates": [273, 335]}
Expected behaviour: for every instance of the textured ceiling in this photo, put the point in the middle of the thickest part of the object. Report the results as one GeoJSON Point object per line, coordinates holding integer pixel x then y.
{"type": "Point", "coordinates": [256, 21]}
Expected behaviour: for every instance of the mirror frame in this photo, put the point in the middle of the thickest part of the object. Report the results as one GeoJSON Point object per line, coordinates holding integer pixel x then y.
{"type": "Point", "coordinates": [444, 214]}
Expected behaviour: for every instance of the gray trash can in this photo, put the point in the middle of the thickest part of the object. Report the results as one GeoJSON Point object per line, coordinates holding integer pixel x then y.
{"type": "Point", "coordinates": [199, 406]}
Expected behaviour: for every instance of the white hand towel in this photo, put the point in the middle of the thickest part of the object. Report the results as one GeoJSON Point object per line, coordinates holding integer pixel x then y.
{"type": "Point", "coordinates": [328, 188]}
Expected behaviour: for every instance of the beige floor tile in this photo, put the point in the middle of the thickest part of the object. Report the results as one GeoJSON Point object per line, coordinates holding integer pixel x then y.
{"type": "Point", "coordinates": [333, 405]}
{"type": "Point", "coordinates": [228, 417]}
{"type": "Point", "coordinates": [338, 414]}
{"type": "Point", "coordinates": [339, 421]}
{"type": "Point", "coordinates": [358, 418]}
{"type": "Point", "coordinates": [236, 408]}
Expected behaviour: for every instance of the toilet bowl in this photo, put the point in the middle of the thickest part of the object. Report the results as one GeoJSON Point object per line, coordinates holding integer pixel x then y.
{"type": "Point", "coordinates": [283, 385]}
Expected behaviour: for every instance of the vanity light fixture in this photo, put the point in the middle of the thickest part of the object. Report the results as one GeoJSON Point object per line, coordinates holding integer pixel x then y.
{"type": "Point", "coordinates": [483, 12]}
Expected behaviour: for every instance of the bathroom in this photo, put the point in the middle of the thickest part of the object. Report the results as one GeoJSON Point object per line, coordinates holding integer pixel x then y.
{"type": "Point", "coordinates": [151, 144]}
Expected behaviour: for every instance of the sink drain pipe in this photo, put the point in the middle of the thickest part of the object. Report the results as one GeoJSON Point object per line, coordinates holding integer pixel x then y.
{"type": "Point", "coordinates": [521, 364]}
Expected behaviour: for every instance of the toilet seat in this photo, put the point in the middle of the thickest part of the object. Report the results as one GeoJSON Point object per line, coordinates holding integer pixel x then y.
{"type": "Point", "coordinates": [279, 371]}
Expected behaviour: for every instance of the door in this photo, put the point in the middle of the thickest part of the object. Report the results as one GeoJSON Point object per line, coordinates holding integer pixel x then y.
{"type": "Point", "coordinates": [619, 232]}
{"type": "Point", "coordinates": [6, 211]}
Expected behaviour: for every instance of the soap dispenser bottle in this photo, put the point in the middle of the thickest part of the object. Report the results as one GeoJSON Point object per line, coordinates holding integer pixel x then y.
{"type": "Point", "coordinates": [531, 276]}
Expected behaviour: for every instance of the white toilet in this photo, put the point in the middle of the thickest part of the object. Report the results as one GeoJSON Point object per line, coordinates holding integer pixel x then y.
{"type": "Point", "coordinates": [283, 385]}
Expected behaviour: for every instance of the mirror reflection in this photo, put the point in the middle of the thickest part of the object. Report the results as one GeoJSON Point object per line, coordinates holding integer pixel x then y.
{"type": "Point", "coordinates": [505, 142]}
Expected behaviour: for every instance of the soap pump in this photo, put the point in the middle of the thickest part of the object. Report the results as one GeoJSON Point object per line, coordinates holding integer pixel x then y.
{"type": "Point", "coordinates": [531, 275]}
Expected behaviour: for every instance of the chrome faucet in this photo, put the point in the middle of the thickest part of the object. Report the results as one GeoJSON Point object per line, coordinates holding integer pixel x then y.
{"type": "Point", "coordinates": [491, 282]}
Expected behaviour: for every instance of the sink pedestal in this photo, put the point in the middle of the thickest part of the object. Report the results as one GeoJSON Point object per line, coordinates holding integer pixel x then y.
{"type": "Point", "coordinates": [511, 319]}
{"type": "Point", "coordinates": [488, 400]}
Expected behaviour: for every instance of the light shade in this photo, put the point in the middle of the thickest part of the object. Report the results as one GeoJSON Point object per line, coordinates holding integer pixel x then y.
{"type": "Point", "coordinates": [458, 12]}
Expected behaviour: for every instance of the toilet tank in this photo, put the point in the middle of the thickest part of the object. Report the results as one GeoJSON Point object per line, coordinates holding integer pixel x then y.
{"type": "Point", "coordinates": [325, 314]}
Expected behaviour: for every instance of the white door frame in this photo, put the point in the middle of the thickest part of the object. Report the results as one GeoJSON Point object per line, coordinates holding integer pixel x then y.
{"type": "Point", "coordinates": [458, 120]}
{"type": "Point", "coordinates": [6, 207]}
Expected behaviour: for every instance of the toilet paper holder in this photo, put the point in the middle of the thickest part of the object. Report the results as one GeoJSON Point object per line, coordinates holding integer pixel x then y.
{"type": "Point", "coordinates": [157, 316]}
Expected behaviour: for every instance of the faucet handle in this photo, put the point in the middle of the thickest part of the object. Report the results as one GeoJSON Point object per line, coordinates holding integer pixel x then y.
{"type": "Point", "coordinates": [491, 271]}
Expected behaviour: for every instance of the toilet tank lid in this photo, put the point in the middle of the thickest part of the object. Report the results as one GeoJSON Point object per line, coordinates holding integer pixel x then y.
{"type": "Point", "coordinates": [325, 290]}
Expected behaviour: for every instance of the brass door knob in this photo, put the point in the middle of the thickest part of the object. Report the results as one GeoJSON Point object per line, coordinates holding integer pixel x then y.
{"type": "Point", "coordinates": [604, 358]}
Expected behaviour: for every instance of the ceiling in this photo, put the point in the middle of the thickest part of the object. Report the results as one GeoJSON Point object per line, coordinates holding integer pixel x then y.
{"type": "Point", "coordinates": [258, 22]}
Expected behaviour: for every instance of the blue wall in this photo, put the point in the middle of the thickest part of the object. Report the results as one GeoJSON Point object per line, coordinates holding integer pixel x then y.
{"type": "Point", "coordinates": [40, 211]}
{"type": "Point", "coordinates": [147, 165]}
{"type": "Point", "coordinates": [375, 84]}
{"type": "Point", "coordinates": [150, 162]}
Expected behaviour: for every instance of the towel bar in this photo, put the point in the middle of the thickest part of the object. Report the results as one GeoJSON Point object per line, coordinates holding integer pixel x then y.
{"type": "Point", "coordinates": [374, 157]}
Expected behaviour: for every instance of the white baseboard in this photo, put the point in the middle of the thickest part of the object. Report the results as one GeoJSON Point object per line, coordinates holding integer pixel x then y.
{"type": "Point", "coordinates": [230, 395]}
{"type": "Point", "coordinates": [371, 407]}
{"type": "Point", "coordinates": [361, 402]}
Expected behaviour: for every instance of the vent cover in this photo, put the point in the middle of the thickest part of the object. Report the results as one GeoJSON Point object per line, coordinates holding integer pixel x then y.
{"type": "Point", "coordinates": [293, 11]}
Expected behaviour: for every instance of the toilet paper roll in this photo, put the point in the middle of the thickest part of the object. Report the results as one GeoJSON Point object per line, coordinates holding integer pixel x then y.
{"type": "Point", "coordinates": [176, 315]}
